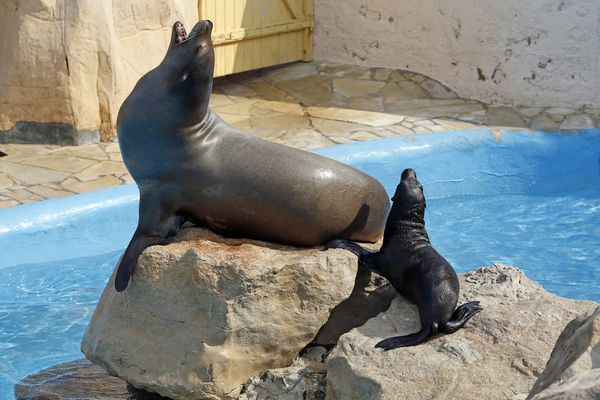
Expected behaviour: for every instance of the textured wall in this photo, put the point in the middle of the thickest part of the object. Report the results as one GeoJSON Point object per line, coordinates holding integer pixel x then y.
{"type": "Point", "coordinates": [535, 53]}
{"type": "Point", "coordinates": [74, 61]}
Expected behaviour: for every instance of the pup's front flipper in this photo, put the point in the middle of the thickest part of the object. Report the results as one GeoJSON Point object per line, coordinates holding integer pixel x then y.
{"type": "Point", "coordinates": [405, 341]}
{"type": "Point", "coordinates": [347, 245]}
{"type": "Point", "coordinates": [365, 257]}
{"type": "Point", "coordinates": [460, 316]}
{"type": "Point", "coordinates": [157, 225]}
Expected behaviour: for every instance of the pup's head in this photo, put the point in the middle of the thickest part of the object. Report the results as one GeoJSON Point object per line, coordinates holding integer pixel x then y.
{"type": "Point", "coordinates": [409, 199]}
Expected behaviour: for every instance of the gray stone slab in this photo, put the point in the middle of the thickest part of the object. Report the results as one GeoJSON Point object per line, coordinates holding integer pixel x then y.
{"type": "Point", "coordinates": [63, 134]}
{"type": "Point", "coordinates": [78, 380]}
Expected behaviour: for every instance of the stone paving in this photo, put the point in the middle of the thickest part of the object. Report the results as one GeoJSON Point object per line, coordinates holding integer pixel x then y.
{"type": "Point", "coordinates": [304, 105]}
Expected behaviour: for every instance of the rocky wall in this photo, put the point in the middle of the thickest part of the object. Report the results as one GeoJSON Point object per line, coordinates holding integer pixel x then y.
{"type": "Point", "coordinates": [71, 63]}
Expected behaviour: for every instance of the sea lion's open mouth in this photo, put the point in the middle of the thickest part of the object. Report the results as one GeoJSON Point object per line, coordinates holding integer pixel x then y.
{"type": "Point", "coordinates": [201, 28]}
{"type": "Point", "coordinates": [181, 33]}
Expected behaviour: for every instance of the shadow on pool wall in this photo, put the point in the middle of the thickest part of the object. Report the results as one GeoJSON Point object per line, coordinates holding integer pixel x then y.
{"type": "Point", "coordinates": [474, 162]}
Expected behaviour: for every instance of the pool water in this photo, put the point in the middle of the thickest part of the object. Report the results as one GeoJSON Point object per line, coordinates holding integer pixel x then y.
{"type": "Point", "coordinates": [44, 310]}
{"type": "Point", "coordinates": [554, 239]}
{"type": "Point", "coordinates": [529, 200]}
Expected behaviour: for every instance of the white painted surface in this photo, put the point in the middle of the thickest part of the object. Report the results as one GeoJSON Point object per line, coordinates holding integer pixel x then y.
{"type": "Point", "coordinates": [531, 53]}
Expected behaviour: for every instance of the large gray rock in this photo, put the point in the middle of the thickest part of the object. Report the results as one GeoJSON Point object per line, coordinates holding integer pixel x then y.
{"type": "Point", "coordinates": [498, 355]}
{"type": "Point", "coordinates": [204, 314]}
{"type": "Point", "coordinates": [573, 370]}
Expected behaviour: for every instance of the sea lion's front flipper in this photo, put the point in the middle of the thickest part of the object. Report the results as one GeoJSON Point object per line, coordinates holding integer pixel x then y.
{"type": "Point", "coordinates": [157, 225]}
{"type": "Point", "coordinates": [460, 316]}
{"type": "Point", "coordinates": [405, 341]}
{"type": "Point", "coordinates": [136, 246]}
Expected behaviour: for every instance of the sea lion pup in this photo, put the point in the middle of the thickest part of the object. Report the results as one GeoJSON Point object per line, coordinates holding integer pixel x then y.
{"type": "Point", "coordinates": [414, 268]}
{"type": "Point", "coordinates": [191, 166]}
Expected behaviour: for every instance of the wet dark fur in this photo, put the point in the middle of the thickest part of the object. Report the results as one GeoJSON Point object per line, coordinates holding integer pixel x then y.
{"type": "Point", "coordinates": [414, 268]}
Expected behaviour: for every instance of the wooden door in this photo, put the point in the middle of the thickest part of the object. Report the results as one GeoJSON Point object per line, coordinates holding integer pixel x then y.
{"type": "Point", "coordinates": [251, 34]}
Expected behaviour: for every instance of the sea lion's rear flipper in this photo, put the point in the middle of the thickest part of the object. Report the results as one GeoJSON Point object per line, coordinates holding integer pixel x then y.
{"type": "Point", "coordinates": [460, 316]}
{"type": "Point", "coordinates": [156, 225]}
{"type": "Point", "coordinates": [405, 341]}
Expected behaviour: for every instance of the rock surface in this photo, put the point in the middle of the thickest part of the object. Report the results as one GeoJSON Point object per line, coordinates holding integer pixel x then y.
{"type": "Point", "coordinates": [72, 62]}
{"type": "Point", "coordinates": [303, 380]}
{"type": "Point", "coordinates": [573, 370]}
{"type": "Point", "coordinates": [204, 314]}
{"type": "Point", "coordinates": [370, 296]}
{"type": "Point", "coordinates": [496, 356]}
{"type": "Point", "coordinates": [78, 380]}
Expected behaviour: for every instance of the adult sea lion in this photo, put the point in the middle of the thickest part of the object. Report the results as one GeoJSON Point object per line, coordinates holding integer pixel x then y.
{"type": "Point", "coordinates": [191, 166]}
{"type": "Point", "coordinates": [414, 268]}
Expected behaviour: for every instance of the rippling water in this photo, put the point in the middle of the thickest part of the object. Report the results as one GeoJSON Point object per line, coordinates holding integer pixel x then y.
{"type": "Point", "coordinates": [554, 239]}
{"type": "Point", "coordinates": [44, 308]}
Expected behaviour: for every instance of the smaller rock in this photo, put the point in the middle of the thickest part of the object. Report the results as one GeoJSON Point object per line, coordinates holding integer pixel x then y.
{"type": "Point", "coordinates": [577, 121]}
{"type": "Point", "coordinates": [573, 370]}
{"type": "Point", "coordinates": [497, 355]}
{"type": "Point", "coordinates": [78, 380]}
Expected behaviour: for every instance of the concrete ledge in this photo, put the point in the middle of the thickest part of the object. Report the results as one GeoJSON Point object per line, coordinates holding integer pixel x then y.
{"type": "Point", "coordinates": [57, 133]}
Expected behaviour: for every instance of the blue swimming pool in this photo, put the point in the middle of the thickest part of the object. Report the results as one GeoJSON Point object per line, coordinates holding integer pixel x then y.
{"type": "Point", "coordinates": [527, 199]}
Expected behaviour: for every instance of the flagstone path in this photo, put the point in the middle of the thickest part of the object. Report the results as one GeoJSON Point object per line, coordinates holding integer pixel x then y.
{"type": "Point", "coordinates": [304, 105]}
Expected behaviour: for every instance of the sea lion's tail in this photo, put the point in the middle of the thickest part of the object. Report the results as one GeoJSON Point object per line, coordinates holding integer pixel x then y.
{"type": "Point", "coordinates": [408, 340]}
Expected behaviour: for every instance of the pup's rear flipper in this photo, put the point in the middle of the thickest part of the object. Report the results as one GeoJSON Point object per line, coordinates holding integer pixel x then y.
{"type": "Point", "coordinates": [460, 316]}
{"type": "Point", "coordinates": [405, 341]}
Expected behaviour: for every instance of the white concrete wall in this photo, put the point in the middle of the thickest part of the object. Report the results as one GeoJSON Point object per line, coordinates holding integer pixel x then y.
{"type": "Point", "coordinates": [515, 52]}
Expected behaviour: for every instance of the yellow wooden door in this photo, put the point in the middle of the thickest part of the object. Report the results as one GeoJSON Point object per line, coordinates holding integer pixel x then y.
{"type": "Point", "coordinates": [251, 34]}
